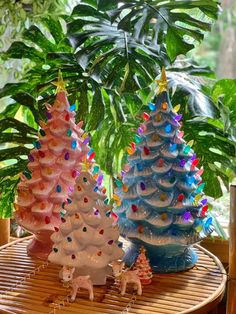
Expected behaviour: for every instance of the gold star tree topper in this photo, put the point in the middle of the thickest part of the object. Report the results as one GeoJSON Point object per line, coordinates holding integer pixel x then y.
{"type": "Point", "coordinates": [162, 82]}
{"type": "Point", "coordinates": [60, 84]}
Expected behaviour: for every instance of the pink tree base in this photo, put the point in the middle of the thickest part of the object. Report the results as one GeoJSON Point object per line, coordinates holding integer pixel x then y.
{"type": "Point", "coordinates": [41, 245]}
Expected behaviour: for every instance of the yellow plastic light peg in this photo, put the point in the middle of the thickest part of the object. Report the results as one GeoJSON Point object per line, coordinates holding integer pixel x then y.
{"type": "Point", "coordinates": [42, 123]}
{"type": "Point", "coordinates": [197, 197]}
{"type": "Point", "coordinates": [190, 143]}
{"type": "Point", "coordinates": [84, 135]}
{"type": "Point", "coordinates": [176, 108]}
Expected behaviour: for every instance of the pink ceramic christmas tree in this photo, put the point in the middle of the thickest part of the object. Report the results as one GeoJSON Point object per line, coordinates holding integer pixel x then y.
{"type": "Point", "coordinates": [52, 169]}
{"type": "Point", "coordinates": [143, 267]}
{"type": "Point", "coordinates": [88, 236]}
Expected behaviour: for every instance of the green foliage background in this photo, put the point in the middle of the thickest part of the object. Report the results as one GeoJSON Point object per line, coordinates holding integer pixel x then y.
{"type": "Point", "coordinates": [110, 54]}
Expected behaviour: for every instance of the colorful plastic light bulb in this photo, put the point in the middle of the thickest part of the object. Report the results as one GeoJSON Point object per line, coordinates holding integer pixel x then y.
{"type": "Point", "coordinates": [139, 167]}
{"type": "Point", "coordinates": [180, 197]}
{"type": "Point", "coordinates": [137, 139]}
{"type": "Point", "coordinates": [73, 144]}
{"type": "Point", "coordinates": [152, 106]}
{"type": "Point", "coordinates": [176, 108]}
{"type": "Point", "coordinates": [142, 186]}
{"type": "Point", "coordinates": [173, 147]}
{"type": "Point", "coordinates": [181, 134]}
{"type": "Point", "coordinates": [146, 116]}
{"type": "Point", "coordinates": [177, 118]}
{"type": "Point", "coordinates": [58, 188]}
{"type": "Point", "coordinates": [91, 156]}
{"type": "Point", "coordinates": [187, 215]}
{"type": "Point", "coordinates": [67, 117]}
{"type": "Point", "coordinates": [95, 169]}
{"type": "Point", "coordinates": [67, 156]}
{"type": "Point", "coordinates": [86, 140]}
{"type": "Point", "coordinates": [31, 158]}
{"type": "Point", "coordinates": [164, 106]}
{"type": "Point", "coordinates": [73, 107]}
{"type": "Point", "coordinates": [134, 208]}
{"type": "Point", "coordinates": [41, 154]}
{"type": "Point", "coordinates": [48, 115]}
{"type": "Point", "coordinates": [168, 128]}
{"type": "Point", "coordinates": [69, 132]}
{"type": "Point", "coordinates": [140, 130]}
{"type": "Point", "coordinates": [146, 150]}
{"type": "Point", "coordinates": [195, 162]}
{"type": "Point", "coordinates": [208, 223]}
{"type": "Point", "coordinates": [160, 162]}
{"type": "Point", "coordinates": [200, 171]}
{"type": "Point", "coordinates": [186, 149]}
{"type": "Point", "coordinates": [182, 163]}
{"type": "Point", "coordinates": [130, 150]}
{"type": "Point", "coordinates": [200, 188]}
{"type": "Point", "coordinates": [118, 183]}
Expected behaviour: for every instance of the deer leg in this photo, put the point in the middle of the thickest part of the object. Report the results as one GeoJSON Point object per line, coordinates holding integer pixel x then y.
{"type": "Point", "coordinates": [73, 294]}
{"type": "Point", "coordinates": [139, 286]}
{"type": "Point", "coordinates": [91, 295]}
{"type": "Point", "coordinates": [123, 288]}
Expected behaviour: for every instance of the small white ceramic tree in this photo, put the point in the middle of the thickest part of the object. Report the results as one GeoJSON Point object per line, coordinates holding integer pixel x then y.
{"type": "Point", "coordinates": [88, 236]}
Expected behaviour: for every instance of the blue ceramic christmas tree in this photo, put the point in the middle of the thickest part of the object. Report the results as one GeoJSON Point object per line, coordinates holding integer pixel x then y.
{"type": "Point", "coordinates": [160, 202]}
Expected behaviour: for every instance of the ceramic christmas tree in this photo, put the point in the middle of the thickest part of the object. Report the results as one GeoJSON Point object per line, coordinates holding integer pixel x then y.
{"type": "Point", "coordinates": [88, 236]}
{"type": "Point", "coordinates": [50, 176]}
{"type": "Point", "coordinates": [161, 204]}
{"type": "Point", "coordinates": [143, 267]}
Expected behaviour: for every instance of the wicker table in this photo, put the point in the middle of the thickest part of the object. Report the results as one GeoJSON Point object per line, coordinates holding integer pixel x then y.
{"type": "Point", "coordinates": [30, 286]}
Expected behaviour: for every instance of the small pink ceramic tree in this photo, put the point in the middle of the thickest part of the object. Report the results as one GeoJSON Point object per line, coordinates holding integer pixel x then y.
{"type": "Point", "coordinates": [143, 267]}
{"type": "Point", "coordinates": [53, 166]}
{"type": "Point", "coordinates": [88, 237]}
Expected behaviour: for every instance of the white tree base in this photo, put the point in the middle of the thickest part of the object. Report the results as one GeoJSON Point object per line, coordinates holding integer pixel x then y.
{"type": "Point", "coordinates": [98, 276]}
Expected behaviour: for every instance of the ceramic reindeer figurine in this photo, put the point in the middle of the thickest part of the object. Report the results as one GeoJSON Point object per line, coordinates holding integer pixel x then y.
{"type": "Point", "coordinates": [77, 282]}
{"type": "Point", "coordinates": [126, 276]}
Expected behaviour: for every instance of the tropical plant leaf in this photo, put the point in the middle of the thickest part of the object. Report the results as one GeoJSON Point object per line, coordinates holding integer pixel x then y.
{"type": "Point", "coordinates": [17, 125]}
{"type": "Point", "coordinates": [165, 21]}
{"type": "Point", "coordinates": [7, 192]}
{"type": "Point", "coordinates": [19, 50]}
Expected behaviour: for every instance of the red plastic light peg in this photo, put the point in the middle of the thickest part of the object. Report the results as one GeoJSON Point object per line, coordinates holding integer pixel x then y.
{"type": "Point", "coordinates": [146, 150]}
{"type": "Point", "coordinates": [133, 145]}
{"type": "Point", "coordinates": [180, 197]}
{"type": "Point", "coordinates": [41, 154]}
{"type": "Point", "coordinates": [67, 117]}
{"type": "Point", "coordinates": [134, 208]}
{"type": "Point", "coordinates": [74, 174]}
{"type": "Point", "coordinates": [91, 156]}
{"type": "Point", "coordinates": [160, 163]}
{"type": "Point", "coordinates": [146, 116]}
{"type": "Point", "coordinates": [47, 220]}
{"type": "Point", "coordinates": [195, 162]}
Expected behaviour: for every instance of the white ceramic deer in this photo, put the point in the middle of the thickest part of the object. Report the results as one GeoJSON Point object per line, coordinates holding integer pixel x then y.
{"type": "Point", "coordinates": [126, 276]}
{"type": "Point", "coordinates": [77, 282]}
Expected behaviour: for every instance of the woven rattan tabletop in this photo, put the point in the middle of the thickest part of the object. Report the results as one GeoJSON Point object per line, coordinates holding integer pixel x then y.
{"type": "Point", "coordinates": [31, 286]}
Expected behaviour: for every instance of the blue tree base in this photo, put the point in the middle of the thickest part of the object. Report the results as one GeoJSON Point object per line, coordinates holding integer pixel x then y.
{"type": "Point", "coordinates": [164, 259]}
